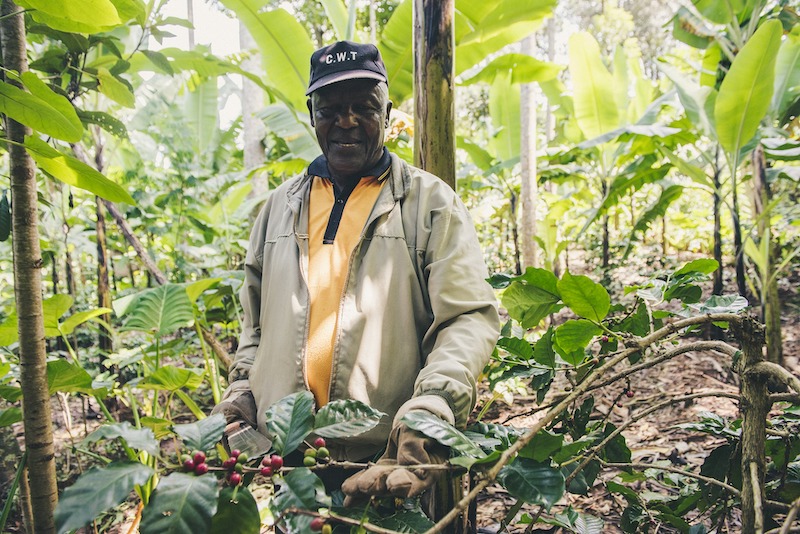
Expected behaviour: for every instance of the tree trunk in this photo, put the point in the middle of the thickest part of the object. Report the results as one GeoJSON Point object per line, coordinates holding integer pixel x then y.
{"type": "Point", "coordinates": [754, 408]}
{"type": "Point", "coordinates": [738, 250]}
{"type": "Point", "coordinates": [770, 299]}
{"type": "Point", "coordinates": [718, 274]}
{"type": "Point", "coordinates": [529, 190]}
{"type": "Point", "coordinates": [253, 129]}
{"type": "Point", "coordinates": [106, 343]}
{"type": "Point", "coordinates": [606, 246]}
{"type": "Point", "coordinates": [434, 105]}
{"type": "Point", "coordinates": [37, 417]}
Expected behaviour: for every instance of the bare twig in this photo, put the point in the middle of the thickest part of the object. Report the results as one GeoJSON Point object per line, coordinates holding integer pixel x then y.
{"type": "Point", "coordinates": [702, 478]}
{"type": "Point", "coordinates": [787, 524]}
{"type": "Point", "coordinates": [772, 370]}
{"type": "Point", "coordinates": [757, 504]}
{"type": "Point", "coordinates": [339, 518]}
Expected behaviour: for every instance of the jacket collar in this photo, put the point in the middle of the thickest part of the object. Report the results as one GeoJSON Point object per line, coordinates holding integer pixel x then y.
{"type": "Point", "coordinates": [399, 184]}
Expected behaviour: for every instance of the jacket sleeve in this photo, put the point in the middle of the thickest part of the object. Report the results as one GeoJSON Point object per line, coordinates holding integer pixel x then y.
{"type": "Point", "coordinates": [250, 296]}
{"type": "Point", "coordinates": [465, 323]}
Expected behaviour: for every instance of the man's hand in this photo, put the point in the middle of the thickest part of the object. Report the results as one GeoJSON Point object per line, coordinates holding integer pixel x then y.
{"type": "Point", "coordinates": [406, 447]}
{"type": "Point", "coordinates": [242, 407]}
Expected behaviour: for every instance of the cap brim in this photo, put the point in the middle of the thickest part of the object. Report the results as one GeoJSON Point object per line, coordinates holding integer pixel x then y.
{"type": "Point", "coordinates": [344, 75]}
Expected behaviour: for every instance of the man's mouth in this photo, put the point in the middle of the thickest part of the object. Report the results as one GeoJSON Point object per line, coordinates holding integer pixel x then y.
{"type": "Point", "coordinates": [346, 144]}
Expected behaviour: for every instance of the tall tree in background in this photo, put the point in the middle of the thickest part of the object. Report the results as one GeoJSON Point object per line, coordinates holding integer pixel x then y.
{"type": "Point", "coordinates": [434, 103]}
{"type": "Point", "coordinates": [28, 292]}
{"type": "Point", "coordinates": [529, 190]}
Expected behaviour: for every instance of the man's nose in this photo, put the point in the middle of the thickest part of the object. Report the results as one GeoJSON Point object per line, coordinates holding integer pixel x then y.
{"type": "Point", "coordinates": [347, 118]}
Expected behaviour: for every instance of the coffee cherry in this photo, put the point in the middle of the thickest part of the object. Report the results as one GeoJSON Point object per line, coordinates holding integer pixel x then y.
{"type": "Point", "coordinates": [310, 453]}
{"type": "Point", "coordinates": [323, 453]}
{"type": "Point", "coordinates": [317, 523]}
{"type": "Point", "coordinates": [604, 339]}
{"type": "Point", "coordinates": [239, 468]}
{"type": "Point", "coordinates": [229, 463]}
{"type": "Point", "coordinates": [276, 462]}
{"type": "Point", "coordinates": [235, 479]}
{"type": "Point", "coordinates": [242, 458]}
{"type": "Point", "coordinates": [309, 461]}
{"type": "Point", "coordinates": [629, 393]}
{"type": "Point", "coordinates": [235, 453]}
{"type": "Point", "coordinates": [319, 442]}
{"type": "Point", "coordinates": [188, 465]}
{"type": "Point", "coordinates": [199, 457]}
{"type": "Point", "coordinates": [266, 461]}
{"type": "Point", "coordinates": [201, 469]}
{"type": "Point", "coordinates": [266, 471]}
{"type": "Point", "coordinates": [327, 529]}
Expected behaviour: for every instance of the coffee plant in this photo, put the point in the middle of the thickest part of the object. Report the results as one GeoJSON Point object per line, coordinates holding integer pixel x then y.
{"type": "Point", "coordinates": [754, 474]}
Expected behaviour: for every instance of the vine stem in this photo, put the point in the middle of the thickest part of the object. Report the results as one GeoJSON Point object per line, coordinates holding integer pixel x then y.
{"type": "Point", "coordinates": [633, 346]}
{"type": "Point", "coordinates": [786, 528]}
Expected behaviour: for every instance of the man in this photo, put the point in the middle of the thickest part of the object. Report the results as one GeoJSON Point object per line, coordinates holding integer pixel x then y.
{"type": "Point", "coordinates": [363, 279]}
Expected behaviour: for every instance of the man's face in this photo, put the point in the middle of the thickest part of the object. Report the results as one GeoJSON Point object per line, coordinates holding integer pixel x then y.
{"type": "Point", "coordinates": [350, 118]}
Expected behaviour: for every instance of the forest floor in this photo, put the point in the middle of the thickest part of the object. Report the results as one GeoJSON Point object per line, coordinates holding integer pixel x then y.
{"type": "Point", "coordinates": [650, 439]}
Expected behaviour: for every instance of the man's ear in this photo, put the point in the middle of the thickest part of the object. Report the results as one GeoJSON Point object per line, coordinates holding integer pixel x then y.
{"type": "Point", "coordinates": [310, 110]}
{"type": "Point", "coordinates": [388, 110]}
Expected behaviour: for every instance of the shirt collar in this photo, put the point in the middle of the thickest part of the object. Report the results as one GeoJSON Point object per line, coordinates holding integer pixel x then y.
{"type": "Point", "coordinates": [319, 167]}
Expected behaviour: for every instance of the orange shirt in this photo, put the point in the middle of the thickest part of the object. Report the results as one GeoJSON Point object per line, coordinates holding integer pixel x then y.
{"type": "Point", "coordinates": [328, 266]}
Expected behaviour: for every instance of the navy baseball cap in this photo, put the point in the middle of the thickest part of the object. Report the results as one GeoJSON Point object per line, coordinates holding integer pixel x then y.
{"type": "Point", "coordinates": [345, 60]}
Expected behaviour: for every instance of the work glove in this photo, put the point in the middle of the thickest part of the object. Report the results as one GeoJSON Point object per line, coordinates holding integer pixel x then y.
{"type": "Point", "coordinates": [406, 447]}
{"type": "Point", "coordinates": [238, 407]}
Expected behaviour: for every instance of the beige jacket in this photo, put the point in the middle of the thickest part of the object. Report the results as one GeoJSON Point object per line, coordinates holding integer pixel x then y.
{"type": "Point", "coordinates": [417, 321]}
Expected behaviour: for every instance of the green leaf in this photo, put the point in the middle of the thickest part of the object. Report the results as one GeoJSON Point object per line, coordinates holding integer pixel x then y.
{"type": "Point", "coordinates": [746, 92]}
{"type": "Point", "coordinates": [532, 297]}
{"type": "Point", "coordinates": [343, 418]}
{"type": "Point", "coordinates": [96, 491]}
{"type": "Point", "coordinates": [89, 12]}
{"type": "Point", "coordinates": [32, 111]}
{"type": "Point", "coordinates": [443, 432]}
{"type": "Point", "coordinates": [532, 482]}
{"type": "Point", "coordinates": [721, 304]}
{"type": "Point", "coordinates": [516, 346]}
{"type": "Point", "coordinates": [110, 86]}
{"type": "Point", "coordinates": [107, 122]}
{"type": "Point", "coordinates": [584, 297]}
{"type": "Point", "coordinates": [522, 68]}
{"type": "Point", "coordinates": [77, 319]}
{"type": "Point", "coordinates": [10, 393]}
{"type": "Point", "coordinates": [290, 420]}
{"type": "Point", "coordinates": [337, 15]}
{"type": "Point", "coordinates": [593, 87]}
{"type": "Point", "coordinates": [543, 351]}
{"type": "Point", "coordinates": [52, 309]}
{"type": "Point", "coordinates": [284, 44]}
{"type": "Point", "coordinates": [180, 504]}
{"type": "Point", "coordinates": [172, 378]}
{"type": "Point", "coordinates": [239, 515]}
{"type": "Point", "coordinates": [73, 172]}
{"type": "Point", "coordinates": [542, 445]}
{"type": "Point", "coordinates": [10, 416]}
{"type": "Point", "coordinates": [161, 427]}
{"type": "Point", "coordinates": [5, 218]}
{"type": "Point", "coordinates": [787, 75]}
{"type": "Point", "coordinates": [575, 335]}
{"type": "Point", "coordinates": [299, 489]}
{"type": "Point", "coordinates": [293, 128]}
{"type": "Point", "coordinates": [411, 521]}
{"type": "Point", "coordinates": [137, 438]}
{"type": "Point", "coordinates": [159, 61]}
{"type": "Point", "coordinates": [704, 266]}
{"type": "Point", "coordinates": [203, 434]}
{"type": "Point", "coordinates": [200, 110]}
{"type": "Point", "coordinates": [504, 105]}
{"type": "Point", "coordinates": [161, 310]}
{"type": "Point", "coordinates": [654, 211]}
{"type": "Point", "coordinates": [195, 289]}
{"type": "Point", "coordinates": [58, 102]}
{"type": "Point", "coordinates": [67, 378]}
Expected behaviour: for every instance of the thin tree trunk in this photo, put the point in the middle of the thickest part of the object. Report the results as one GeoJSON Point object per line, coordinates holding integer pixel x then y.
{"type": "Point", "coordinates": [103, 287]}
{"type": "Point", "coordinates": [190, 18]}
{"type": "Point", "coordinates": [606, 253]}
{"type": "Point", "coordinates": [434, 104]}
{"type": "Point", "coordinates": [37, 417]}
{"type": "Point", "coordinates": [718, 274]}
{"type": "Point", "coordinates": [529, 190]}
{"type": "Point", "coordinates": [770, 298]}
{"type": "Point", "coordinates": [738, 249]}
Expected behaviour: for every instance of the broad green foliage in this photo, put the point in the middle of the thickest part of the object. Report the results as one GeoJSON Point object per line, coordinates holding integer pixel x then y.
{"type": "Point", "coordinates": [594, 87]}
{"type": "Point", "coordinates": [746, 92]}
{"type": "Point", "coordinates": [181, 503]}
